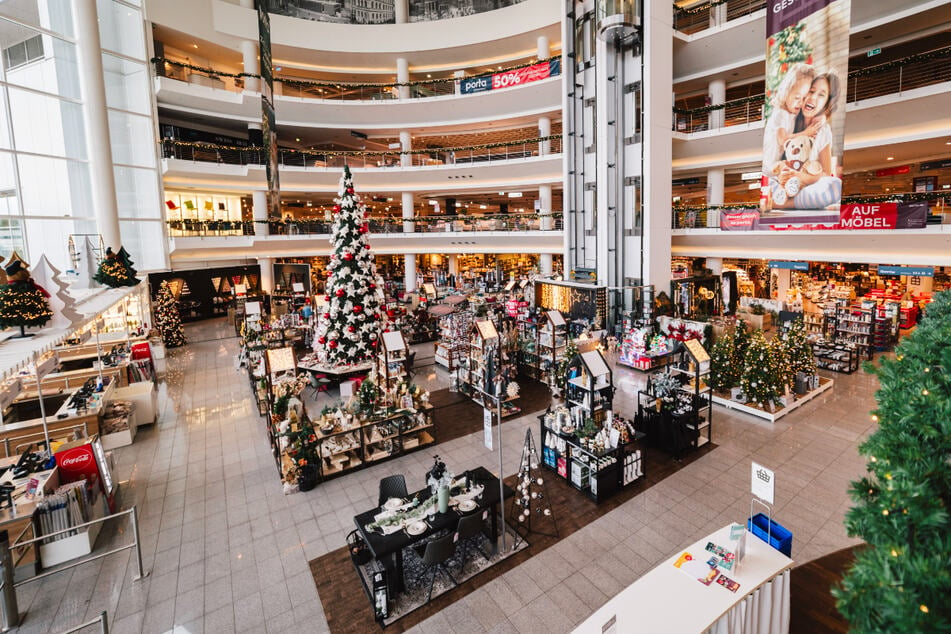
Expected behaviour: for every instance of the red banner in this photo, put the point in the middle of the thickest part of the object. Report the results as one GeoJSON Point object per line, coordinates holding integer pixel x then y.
{"type": "Point", "coordinates": [520, 76]}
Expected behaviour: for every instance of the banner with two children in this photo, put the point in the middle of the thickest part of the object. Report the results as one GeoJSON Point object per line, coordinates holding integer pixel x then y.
{"type": "Point", "coordinates": [807, 58]}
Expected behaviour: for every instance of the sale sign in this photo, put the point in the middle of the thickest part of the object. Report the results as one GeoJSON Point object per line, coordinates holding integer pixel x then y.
{"type": "Point", "coordinates": [510, 78]}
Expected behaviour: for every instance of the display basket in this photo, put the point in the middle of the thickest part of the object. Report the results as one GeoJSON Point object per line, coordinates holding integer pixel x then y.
{"type": "Point", "coordinates": [773, 533]}
{"type": "Point", "coordinates": [359, 551]}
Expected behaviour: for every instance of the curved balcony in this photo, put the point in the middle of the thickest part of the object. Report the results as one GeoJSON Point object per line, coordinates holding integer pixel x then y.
{"type": "Point", "coordinates": [895, 77]}
{"type": "Point", "coordinates": [488, 166]}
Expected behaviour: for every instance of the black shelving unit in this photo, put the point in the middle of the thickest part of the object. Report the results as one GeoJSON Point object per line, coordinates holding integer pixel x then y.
{"type": "Point", "coordinates": [836, 357]}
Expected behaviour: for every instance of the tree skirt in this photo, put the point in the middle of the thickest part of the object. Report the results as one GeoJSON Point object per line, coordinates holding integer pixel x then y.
{"type": "Point", "coordinates": [417, 577]}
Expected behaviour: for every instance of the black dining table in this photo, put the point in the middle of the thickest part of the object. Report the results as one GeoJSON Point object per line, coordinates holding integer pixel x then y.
{"type": "Point", "coordinates": [388, 549]}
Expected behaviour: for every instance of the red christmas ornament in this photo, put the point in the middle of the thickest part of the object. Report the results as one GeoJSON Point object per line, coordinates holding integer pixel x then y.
{"type": "Point", "coordinates": [363, 229]}
{"type": "Point", "coordinates": [347, 256]}
{"type": "Point", "coordinates": [340, 292]}
{"type": "Point", "coordinates": [350, 328]}
{"type": "Point", "coordinates": [326, 298]}
{"type": "Point", "coordinates": [329, 274]}
{"type": "Point", "coordinates": [366, 246]}
{"type": "Point", "coordinates": [372, 286]}
{"type": "Point", "coordinates": [357, 308]}
{"type": "Point", "coordinates": [321, 340]}
{"type": "Point", "coordinates": [350, 190]}
{"type": "Point", "coordinates": [333, 344]}
{"type": "Point", "coordinates": [326, 315]}
{"type": "Point", "coordinates": [373, 344]}
{"type": "Point", "coordinates": [336, 208]}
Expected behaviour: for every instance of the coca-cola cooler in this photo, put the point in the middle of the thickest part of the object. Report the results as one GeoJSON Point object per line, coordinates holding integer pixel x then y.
{"type": "Point", "coordinates": [85, 460]}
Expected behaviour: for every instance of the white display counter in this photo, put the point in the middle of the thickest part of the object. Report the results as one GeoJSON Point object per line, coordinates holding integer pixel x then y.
{"type": "Point", "coordinates": [668, 600]}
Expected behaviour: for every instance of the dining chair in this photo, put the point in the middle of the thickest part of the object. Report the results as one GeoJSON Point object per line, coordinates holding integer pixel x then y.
{"type": "Point", "coordinates": [434, 555]}
{"type": "Point", "coordinates": [393, 486]}
{"type": "Point", "coordinates": [317, 385]}
{"type": "Point", "coordinates": [468, 530]}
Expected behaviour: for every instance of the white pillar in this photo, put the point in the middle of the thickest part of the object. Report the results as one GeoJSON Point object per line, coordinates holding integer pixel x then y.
{"type": "Point", "coordinates": [544, 50]}
{"type": "Point", "coordinates": [453, 264]}
{"type": "Point", "coordinates": [406, 144]}
{"type": "Point", "coordinates": [717, 93]}
{"type": "Point", "coordinates": [267, 274]}
{"type": "Point", "coordinates": [402, 76]}
{"type": "Point", "coordinates": [459, 75]}
{"type": "Point", "coordinates": [96, 120]}
{"type": "Point", "coordinates": [544, 129]}
{"type": "Point", "coordinates": [545, 260]}
{"type": "Point", "coordinates": [249, 55]}
{"type": "Point", "coordinates": [408, 212]}
{"type": "Point", "coordinates": [409, 278]}
{"type": "Point", "coordinates": [718, 15]}
{"type": "Point", "coordinates": [401, 8]}
{"type": "Point", "coordinates": [715, 265]}
{"type": "Point", "coordinates": [658, 102]}
{"type": "Point", "coordinates": [259, 210]}
{"type": "Point", "coordinates": [714, 195]}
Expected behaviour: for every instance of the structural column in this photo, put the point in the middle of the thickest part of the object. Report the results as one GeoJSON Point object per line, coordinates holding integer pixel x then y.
{"type": "Point", "coordinates": [402, 76]}
{"type": "Point", "coordinates": [252, 64]}
{"type": "Point", "coordinates": [406, 144]}
{"type": "Point", "coordinates": [96, 120]}
{"type": "Point", "coordinates": [401, 9]}
{"type": "Point", "coordinates": [544, 49]}
{"type": "Point", "coordinates": [544, 192]}
{"type": "Point", "coordinates": [717, 94]}
{"type": "Point", "coordinates": [714, 195]}
{"type": "Point", "coordinates": [259, 210]}
{"type": "Point", "coordinates": [267, 274]}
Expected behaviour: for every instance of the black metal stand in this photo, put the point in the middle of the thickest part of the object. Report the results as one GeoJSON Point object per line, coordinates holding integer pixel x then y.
{"type": "Point", "coordinates": [527, 501]}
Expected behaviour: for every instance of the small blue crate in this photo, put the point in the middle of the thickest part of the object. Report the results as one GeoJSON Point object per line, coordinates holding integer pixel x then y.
{"type": "Point", "coordinates": [773, 533]}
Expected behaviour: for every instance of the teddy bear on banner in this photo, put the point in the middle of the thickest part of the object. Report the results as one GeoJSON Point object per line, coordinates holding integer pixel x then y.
{"type": "Point", "coordinates": [796, 153]}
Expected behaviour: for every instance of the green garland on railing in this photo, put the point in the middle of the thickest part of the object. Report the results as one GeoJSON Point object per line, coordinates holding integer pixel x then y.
{"type": "Point", "coordinates": [335, 84]}
{"type": "Point", "coordinates": [721, 106]}
{"type": "Point", "coordinates": [396, 220]}
{"type": "Point", "coordinates": [256, 148]}
{"type": "Point", "coordinates": [699, 8]}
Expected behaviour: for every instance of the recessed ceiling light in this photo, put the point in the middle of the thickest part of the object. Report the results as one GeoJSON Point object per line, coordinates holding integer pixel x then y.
{"type": "Point", "coordinates": [889, 158]}
{"type": "Point", "coordinates": [297, 139]}
{"type": "Point", "coordinates": [428, 75]}
{"type": "Point", "coordinates": [195, 45]}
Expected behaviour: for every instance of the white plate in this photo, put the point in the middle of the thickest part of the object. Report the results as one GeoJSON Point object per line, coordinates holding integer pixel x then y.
{"type": "Point", "coordinates": [393, 503]}
{"type": "Point", "coordinates": [467, 505]}
{"type": "Point", "coordinates": [417, 528]}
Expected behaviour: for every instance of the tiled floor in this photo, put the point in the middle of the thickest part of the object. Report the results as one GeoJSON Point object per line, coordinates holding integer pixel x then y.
{"type": "Point", "coordinates": [228, 551]}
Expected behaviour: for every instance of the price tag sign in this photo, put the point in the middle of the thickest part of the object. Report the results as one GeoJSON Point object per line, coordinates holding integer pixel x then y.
{"type": "Point", "coordinates": [763, 483]}
{"type": "Point", "coordinates": [487, 428]}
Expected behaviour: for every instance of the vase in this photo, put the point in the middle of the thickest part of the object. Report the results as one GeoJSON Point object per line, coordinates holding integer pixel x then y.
{"type": "Point", "coordinates": [443, 499]}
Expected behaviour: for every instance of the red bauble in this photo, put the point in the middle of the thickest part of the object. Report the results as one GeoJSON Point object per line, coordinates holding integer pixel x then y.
{"type": "Point", "coordinates": [329, 274]}
{"type": "Point", "coordinates": [326, 315]}
{"type": "Point", "coordinates": [326, 298]}
{"type": "Point", "coordinates": [372, 286]}
{"type": "Point", "coordinates": [366, 246]}
{"type": "Point", "coordinates": [321, 340]}
{"type": "Point", "coordinates": [357, 308]}
{"type": "Point", "coordinates": [333, 344]}
{"type": "Point", "coordinates": [373, 344]}
{"type": "Point", "coordinates": [363, 229]}
{"type": "Point", "coordinates": [347, 256]}
{"type": "Point", "coordinates": [350, 190]}
{"type": "Point", "coordinates": [336, 208]}
{"type": "Point", "coordinates": [340, 292]}
{"type": "Point", "coordinates": [350, 328]}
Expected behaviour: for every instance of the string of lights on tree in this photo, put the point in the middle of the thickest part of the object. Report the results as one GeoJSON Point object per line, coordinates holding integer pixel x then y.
{"type": "Point", "coordinates": [899, 581]}
{"type": "Point", "coordinates": [167, 318]}
{"type": "Point", "coordinates": [333, 84]}
{"type": "Point", "coordinates": [22, 302]}
{"type": "Point", "coordinates": [116, 270]}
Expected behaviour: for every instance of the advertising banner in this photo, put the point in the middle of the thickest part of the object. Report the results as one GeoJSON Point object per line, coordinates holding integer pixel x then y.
{"type": "Point", "coordinates": [268, 120]}
{"type": "Point", "coordinates": [807, 50]}
{"type": "Point", "coordinates": [851, 217]}
{"type": "Point", "coordinates": [509, 78]}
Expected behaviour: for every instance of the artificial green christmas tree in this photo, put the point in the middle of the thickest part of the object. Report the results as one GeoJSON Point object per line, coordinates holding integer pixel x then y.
{"type": "Point", "coordinates": [116, 269]}
{"type": "Point", "coordinates": [22, 302]}
{"type": "Point", "coordinates": [349, 324]}
{"type": "Point", "coordinates": [560, 375]}
{"type": "Point", "coordinates": [798, 351]}
{"type": "Point", "coordinates": [902, 581]}
{"type": "Point", "coordinates": [724, 372]}
{"type": "Point", "coordinates": [763, 376]}
{"type": "Point", "coordinates": [167, 319]}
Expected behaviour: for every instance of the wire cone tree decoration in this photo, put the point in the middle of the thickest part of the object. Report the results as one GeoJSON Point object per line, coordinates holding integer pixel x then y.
{"type": "Point", "coordinates": [531, 494]}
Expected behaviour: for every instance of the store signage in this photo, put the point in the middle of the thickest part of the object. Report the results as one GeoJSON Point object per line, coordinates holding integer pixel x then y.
{"type": "Point", "coordinates": [685, 181]}
{"type": "Point", "coordinates": [487, 428]}
{"type": "Point", "coordinates": [509, 78]}
{"type": "Point", "coordinates": [763, 483]}
{"type": "Point", "coordinates": [792, 266]}
{"type": "Point", "coordinates": [873, 52]}
{"type": "Point", "coordinates": [884, 216]}
{"type": "Point", "coordinates": [738, 220]}
{"type": "Point", "coordinates": [935, 165]}
{"type": "Point", "coordinates": [920, 271]}
{"type": "Point", "coordinates": [893, 171]}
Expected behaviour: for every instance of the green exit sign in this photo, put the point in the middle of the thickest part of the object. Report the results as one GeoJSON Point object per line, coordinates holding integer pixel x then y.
{"type": "Point", "coordinates": [874, 52]}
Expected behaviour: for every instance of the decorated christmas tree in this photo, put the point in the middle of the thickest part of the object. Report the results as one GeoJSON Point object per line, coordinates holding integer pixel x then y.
{"type": "Point", "coordinates": [167, 319]}
{"type": "Point", "coordinates": [782, 51]}
{"type": "Point", "coordinates": [22, 302]}
{"type": "Point", "coordinates": [901, 581]}
{"type": "Point", "coordinates": [348, 325]}
{"type": "Point", "coordinates": [798, 351]}
{"type": "Point", "coordinates": [763, 374]}
{"type": "Point", "coordinates": [560, 375]}
{"type": "Point", "coordinates": [724, 373]}
{"type": "Point", "coordinates": [116, 269]}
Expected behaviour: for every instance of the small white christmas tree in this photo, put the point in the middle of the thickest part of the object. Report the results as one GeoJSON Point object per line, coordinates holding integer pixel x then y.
{"type": "Point", "coordinates": [87, 267]}
{"type": "Point", "coordinates": [349, 324]}
{"type": "Point", "coordinates": [61, 303]}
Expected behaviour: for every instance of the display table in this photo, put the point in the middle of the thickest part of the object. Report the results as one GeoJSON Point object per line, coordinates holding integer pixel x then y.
{"type": "Point", "coordinates": [667, 600]}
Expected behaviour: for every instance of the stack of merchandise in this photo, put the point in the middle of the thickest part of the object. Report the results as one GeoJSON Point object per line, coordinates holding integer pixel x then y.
{"type": "Point", "coordinates": [116, 416]}
{"type": "Point", "coordinates": [71, 505]}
